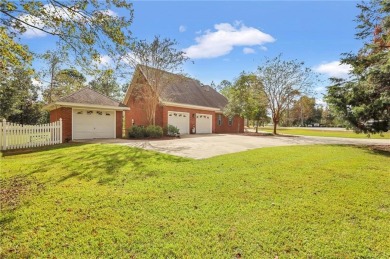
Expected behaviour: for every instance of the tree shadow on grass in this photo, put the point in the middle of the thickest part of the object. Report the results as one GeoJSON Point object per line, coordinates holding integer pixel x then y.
{"type": "Point", "coordinates": [382, 150]}
{"type": "Point", "coordinates": [104, 163]}
{"type": "Point", "coordinates": [15, 152]}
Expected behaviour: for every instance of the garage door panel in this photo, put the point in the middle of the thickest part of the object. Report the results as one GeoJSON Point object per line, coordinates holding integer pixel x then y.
{"type": "Point", "coordinates": [181, 120]}
{"type": "Point", "coordinates": [88, 124]}
{"type": "Point", "coordinates": [204, 123]}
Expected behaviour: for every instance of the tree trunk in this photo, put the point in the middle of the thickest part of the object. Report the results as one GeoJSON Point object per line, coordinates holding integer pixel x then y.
{"type": "Point", "coordinates": [276, 122]}
{"type": "Point", "coordinates": [257, 126]}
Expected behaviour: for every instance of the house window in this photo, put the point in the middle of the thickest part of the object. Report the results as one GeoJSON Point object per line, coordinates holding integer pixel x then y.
{"type": "Point", "coordinates": [219, 119]}
{"type": "Point", "coordinates": [230, 121]}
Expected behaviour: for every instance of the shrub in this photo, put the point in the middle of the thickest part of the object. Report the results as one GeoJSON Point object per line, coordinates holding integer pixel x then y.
{"type": "Point", "coordinates": [153, 131]}
{"type": "Point", "coordinates": [137, 132]}
{"type": "Point", "coordinates": [171, 130]}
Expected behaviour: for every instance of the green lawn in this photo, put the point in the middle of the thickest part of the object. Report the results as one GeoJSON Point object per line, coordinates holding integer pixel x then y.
{"type": "Point", "coordinates": [107, 201]}
{"type": "Point", "coordinates": [325, 133]}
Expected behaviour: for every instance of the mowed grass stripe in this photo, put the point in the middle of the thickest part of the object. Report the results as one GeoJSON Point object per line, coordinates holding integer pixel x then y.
{"type": "Point", "coordinates": [116, 201]}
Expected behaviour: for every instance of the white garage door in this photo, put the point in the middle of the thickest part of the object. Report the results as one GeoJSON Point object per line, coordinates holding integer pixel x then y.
{"type": "Point", "coordinates": [89, 124]}
{"type": "Point", "coordinates": [181, 120]}
{"type": "Point", "coordinates": [204, 123]}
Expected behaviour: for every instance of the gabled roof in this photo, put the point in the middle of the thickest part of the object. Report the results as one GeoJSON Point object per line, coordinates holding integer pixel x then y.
{"type": "Point", "coordinates": [89, 98]}
{"type": "Point", "coordinates": [184, 90]}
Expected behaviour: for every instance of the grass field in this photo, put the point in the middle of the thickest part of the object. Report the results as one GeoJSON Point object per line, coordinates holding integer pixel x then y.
{"type": "Point", "coordinates": [106, 201]}
{"type": "Point", "coordinates": [325, 133]}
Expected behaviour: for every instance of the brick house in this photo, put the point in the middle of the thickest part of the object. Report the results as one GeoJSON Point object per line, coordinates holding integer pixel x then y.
{"type": "Point", "coordinates": [88, 114]}
{"type": "Point", "coordinates": [184, 103]}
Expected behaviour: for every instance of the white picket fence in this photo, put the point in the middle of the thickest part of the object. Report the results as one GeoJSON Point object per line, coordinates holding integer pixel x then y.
{"type": "Point", "coordinates": [15, 136]}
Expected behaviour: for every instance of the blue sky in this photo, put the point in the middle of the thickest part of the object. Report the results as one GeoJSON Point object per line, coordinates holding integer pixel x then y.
{"type": "Point", "coordinates": [223, 38]}
{"type": "Point", "coordinates": [315, 32]}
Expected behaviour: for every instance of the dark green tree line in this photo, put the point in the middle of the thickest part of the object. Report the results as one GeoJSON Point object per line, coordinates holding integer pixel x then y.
{"type": "Point", "coordinates": [364, 99]}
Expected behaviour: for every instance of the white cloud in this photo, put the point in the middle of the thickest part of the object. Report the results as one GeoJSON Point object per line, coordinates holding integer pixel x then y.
{"type": "Point", "coordinates": [131, 59]}
{"type": "Point", "coordinates": [320, 102]}
{"type": "Point", "coordinates": [105, 60]}
{"type": "Point", "coordinates": [225, 37]}
{"type": "Point", "coordinates": [109, 12]}
{"type": "Point", "coordinates": [248, 51]}
{"type": "Point", "coordinates": [198, 32]}
{"type": "Point", "coordinates": [49, 9]}
{"type": "Point", "coordinates": [319, 89]}
{"type": "Point", "coordinates": [36, 82]}
{"type": "Point", "coordinates": [182, 28]}
{"type": "Point", "coordinates": [30, 31]}
{"type": "Point", "coordinates": [333, 69]}
{"type": "Point", "coordinates": [264, 48]}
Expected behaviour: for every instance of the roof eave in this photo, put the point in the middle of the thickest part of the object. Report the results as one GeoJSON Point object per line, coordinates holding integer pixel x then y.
{"type": "Point", "coordinates": [56, 105]}
{"type": "Point", "coordinates": [190, 106]}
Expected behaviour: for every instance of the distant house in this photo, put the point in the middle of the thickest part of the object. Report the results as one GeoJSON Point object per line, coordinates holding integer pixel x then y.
{"type": "Point", "coordinates": [184, 103]}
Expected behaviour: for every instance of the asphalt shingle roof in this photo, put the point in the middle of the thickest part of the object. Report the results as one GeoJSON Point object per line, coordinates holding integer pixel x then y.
{"type": "Point", "coordinates": [185, 90]}
{"type": "Point", "coordinates": [88, 96]}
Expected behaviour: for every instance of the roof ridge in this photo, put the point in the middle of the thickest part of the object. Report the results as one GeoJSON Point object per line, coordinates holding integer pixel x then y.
{"type": "Point", "coordinates": [184, 89]}
{"type": "Point", "coordinates": [173, 74]}
{"type": "Point", "coordinates": [103, 95]}
{"type": "Point", "coordinates": [91, 93]}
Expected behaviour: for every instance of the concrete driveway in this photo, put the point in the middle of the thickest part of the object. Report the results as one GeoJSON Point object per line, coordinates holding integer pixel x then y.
{"type": "Point", "coordinates": [209, 145]}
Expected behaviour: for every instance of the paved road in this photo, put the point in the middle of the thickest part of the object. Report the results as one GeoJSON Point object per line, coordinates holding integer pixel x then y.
{"type": "Point", "coordinates": [205, 146]}
{"type": "Point", "coordinates": [307, 128]}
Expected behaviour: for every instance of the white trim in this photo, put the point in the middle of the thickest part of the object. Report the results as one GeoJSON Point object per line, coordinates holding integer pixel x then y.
{"type": "Point", "coordinates": [114, 132]}
{"type": "Point", "coordinates": [190, 106]}
{"type": "Point", "coordinates": [16, 136]}
{"type": "Point", "coordinates": [56, 105]}
{"type": "Point", "coordinates": [196, 122]}
{"type": "Point", "coordinates": [188, 127]}
{"type": "Point", "coordinates": [72, 125]}
{"type": "Point", "coordinates": [114, 124]}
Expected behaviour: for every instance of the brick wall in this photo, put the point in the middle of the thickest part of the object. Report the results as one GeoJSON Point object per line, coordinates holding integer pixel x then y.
{"type": "Point", "coordinates": [119, 124]}
{"type": "Point", "coordinates": [65, 114]}
{"type": "Point", "coordinates": [236, 127]}
{"type": "Point", "coordinates": [137, 114]}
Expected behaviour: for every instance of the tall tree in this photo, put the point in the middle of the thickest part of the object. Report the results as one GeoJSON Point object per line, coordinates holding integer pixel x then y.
{"type": "Point", "coordinates": [303, 110]}
{"type": "Point", "coordinates": [154, 58]}
{"type": "Point", "coordinates": [19, 101]}
{"type": "Point", "coordinates": [66, 81]}
{"type": "Point", "coordinates": [245, 98]}
{"type": "Point", "coordinates": [87, 29]}
{"type": "Point", "coordinates": [106, 84]}
{"type": "Point", "coordinates": [282, 82]}
{"type": "Point", "coordinates": [364, 99]}
{"type": "Point", "coordinates": [54, 61]}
